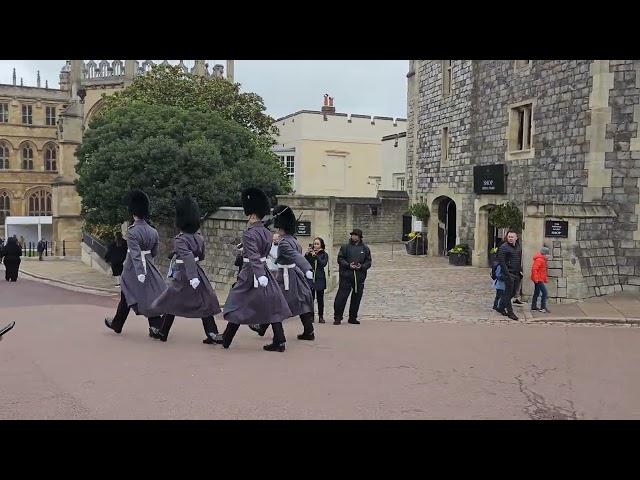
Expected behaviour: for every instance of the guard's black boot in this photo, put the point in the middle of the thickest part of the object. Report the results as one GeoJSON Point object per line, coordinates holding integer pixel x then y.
{"type": "Point", "coordinates": [272, 347]}
{"type": "Point", "coordinates": [108, 321]}
{"type": "Point", "coordinates": [156, 334]}
{"type": "Point", "coordinates": [213, 339]}
{"type": "Point", "coordinates": [353, 321]}
{"type": "Point", "coordinates": [307, 336]}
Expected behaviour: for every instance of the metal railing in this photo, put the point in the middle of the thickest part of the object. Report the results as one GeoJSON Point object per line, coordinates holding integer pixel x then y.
{"type": "Point", "coordinates": [94, 244]}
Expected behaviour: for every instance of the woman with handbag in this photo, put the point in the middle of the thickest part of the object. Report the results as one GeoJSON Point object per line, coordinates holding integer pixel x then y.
{"type": "Point", "coordinates": [318, 258]}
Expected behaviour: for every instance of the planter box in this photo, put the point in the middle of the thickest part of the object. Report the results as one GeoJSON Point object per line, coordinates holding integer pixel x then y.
{"type": "Point", "coordinates": [416, 247]}
{"type": "Point", "coordinates": [457, 259]}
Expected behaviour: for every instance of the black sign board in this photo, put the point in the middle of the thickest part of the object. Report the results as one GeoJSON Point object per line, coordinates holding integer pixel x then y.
{"type": "Point", "coordinates": [303, 228]}
{"type": "Point", "coordinates": [556, 229]}
{"type": "Point", "coordinates": [489, 179]}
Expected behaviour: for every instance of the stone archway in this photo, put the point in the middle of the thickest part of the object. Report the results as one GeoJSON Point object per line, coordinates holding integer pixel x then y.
{"type": "Point", "coordinates": [443, 229]}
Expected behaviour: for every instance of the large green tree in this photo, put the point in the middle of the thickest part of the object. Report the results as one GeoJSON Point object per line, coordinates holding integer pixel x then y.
{"type": "Point", "coordinates": [170, 85]}
{"type": "Point", "coordinates": [169, 151]}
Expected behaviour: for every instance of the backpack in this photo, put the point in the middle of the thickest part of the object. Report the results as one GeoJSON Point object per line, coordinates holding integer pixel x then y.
{"type": "Point", "coordinates": [493, 271]}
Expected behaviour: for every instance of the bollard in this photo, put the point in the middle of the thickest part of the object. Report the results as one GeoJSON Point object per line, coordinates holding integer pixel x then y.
{"type": "Point", "coordinates": [64, 251]}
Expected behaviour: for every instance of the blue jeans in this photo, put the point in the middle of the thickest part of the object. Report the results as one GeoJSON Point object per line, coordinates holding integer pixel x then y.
{"type": "Point", "coordinates": [540, 289]}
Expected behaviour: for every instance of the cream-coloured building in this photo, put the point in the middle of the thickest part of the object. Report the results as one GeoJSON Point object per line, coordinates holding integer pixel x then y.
{"type": "Point", "coordinates": [394, 161]}
{"type": "Point", "coordinates": [40, 129]}
{"type": "Point", "coordinates": [334, 154]}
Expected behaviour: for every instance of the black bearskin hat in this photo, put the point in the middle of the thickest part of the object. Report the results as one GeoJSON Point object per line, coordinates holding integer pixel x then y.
{"type": "Point", "coordinates": [187, 215]}
{"type": "Point", "coordinates": [284, 219]}
{"type": "Point", "coordinates": [255, 201]}
{"type": "Point", "coordinates": [138, 203]}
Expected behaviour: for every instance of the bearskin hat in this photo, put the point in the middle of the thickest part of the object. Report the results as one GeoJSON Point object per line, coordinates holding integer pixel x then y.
{"type": "Point", "coordinates": [284, 219]}
{"type": "Point", "coordinates": [138, 203]}
{"type": "Point", "coordinates": [187, 215]}
{"type": "Point", "coordinates": [255, 201]}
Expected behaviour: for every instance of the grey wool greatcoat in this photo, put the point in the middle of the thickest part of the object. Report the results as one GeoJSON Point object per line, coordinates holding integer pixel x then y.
{"type": "Point", "coordinates": [291, 261]}
{"type": "Point", "coordinates": [180, 299]}
{"type": "Point", "coordinates": [248, 303]}
{"type": "Point", "coordinates": [141, 237]}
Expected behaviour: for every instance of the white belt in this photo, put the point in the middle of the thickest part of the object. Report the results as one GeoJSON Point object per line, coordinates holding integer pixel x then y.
{"type": "Point", "coordinates": [255, 280]}
{"type": "Point", "coordinates": [285, 274]}
{"type": "Point", "coordinates": [197, 259]}
{"type": "Point", "coordinates": [143, 253]}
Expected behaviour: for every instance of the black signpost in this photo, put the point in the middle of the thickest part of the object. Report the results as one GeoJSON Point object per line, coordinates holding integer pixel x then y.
{"type": "Point", "coordinates": [303, 228]}
{"type": "Point", "coordinates": [556, 229]}
{"type": "Point", "coordinates": [489, 179]}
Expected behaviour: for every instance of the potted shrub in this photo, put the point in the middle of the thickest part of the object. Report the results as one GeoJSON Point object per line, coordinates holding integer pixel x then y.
{"type": "Point", "coordinates": [506, 216]}
{"type": "Point", "coordinates": [421, 212]}
{"type": "Point", "coordinates": [459, 255]}
{"type": "Point", "coordinates": [417, 244]}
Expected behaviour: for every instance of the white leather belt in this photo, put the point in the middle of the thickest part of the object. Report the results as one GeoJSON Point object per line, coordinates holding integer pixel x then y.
{"type": "Point", "coordinates": [255, 280]}
{"type": "Point", "coordinates": [197, 259]}
{"type": "Point", "coordinates": [285, 274]}
{"type": "Point", "coordinates": [143, 254]}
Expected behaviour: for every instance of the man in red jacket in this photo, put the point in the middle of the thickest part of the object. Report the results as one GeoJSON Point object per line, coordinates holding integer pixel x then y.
{"type": "Point", "coordinates": [539, 277]}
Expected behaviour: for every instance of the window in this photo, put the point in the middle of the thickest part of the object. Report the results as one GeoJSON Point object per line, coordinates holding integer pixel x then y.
{"type": "Point", "coordinates": [39, 203]}
{"type": "Point", "coordinates": [4, 113]}
{"type": "Point", "coordinates": [446, 77]}
{"type": "Point", "coordinates": [289, 162]}
{"type": "Point", "coordinates": [4, 156]}
{"type": "Point", "coordinates": [445, 144]}
{"type": "Point", "coordinates": [522, 64]}
{"type": "Point", "coordinates": [27, 114]}
{"type": "Point", "coordinates": [520, 129]}
{"type": "Point", "coordinates": [400, 185]}
{"type": "Point", "coordinates": [50, 116]}
{"type": "Point", "coordinates": [5, 206]}
{"type": "Point", "coordinates": [27, 157]}
{"type": "Point", "coordinates": [50, 158]}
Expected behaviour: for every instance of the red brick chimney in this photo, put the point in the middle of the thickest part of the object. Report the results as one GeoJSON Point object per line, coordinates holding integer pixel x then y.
{"type": "Point", "coordinates": [328, 104]}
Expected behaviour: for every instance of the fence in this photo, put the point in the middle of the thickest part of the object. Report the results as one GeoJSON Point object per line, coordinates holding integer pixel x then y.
{"type": "Point", "coordinates": [94, 244]}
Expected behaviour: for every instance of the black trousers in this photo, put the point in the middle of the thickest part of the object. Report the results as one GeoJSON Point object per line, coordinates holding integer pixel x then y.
{"type": "Point", "coordinates": [320, 294]}
{"type": "Point", "coordinates": [123, 312]}
{"type": "Point", "coordinates": [11, 270]}
{"type": "Point", "coordinates": [508, 292]}
{"type": "Point", "coordinates": [305, 318]}
{"type": "Point", "coordinates": [232, 328]}
{"type": "Point", "coordinates": [344, 289]}
{"type": "Point", "coordinates": [208, 323]}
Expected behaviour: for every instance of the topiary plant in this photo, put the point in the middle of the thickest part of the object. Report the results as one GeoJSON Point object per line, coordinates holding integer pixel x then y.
{"type": "Point", "coordinates": [507, 215]}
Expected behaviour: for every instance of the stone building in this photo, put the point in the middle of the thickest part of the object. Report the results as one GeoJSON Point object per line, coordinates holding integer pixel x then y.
{"type": "Point", "coordinates": [335, 154]}
{"type": "Point", "coordinates": [557, 137]}
{"type": "Point", "coordinates": [40, 129]}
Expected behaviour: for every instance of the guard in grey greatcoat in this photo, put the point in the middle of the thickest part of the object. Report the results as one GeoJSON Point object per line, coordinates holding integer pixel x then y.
{"type": "Point", "coordinates": [296, 271]}
{"type": "Point", "coordinates": [140, 283]}
{"type": "Point", "coordinates": [256, 297]}
{"type": "Point", "coordinates": [189, 293]}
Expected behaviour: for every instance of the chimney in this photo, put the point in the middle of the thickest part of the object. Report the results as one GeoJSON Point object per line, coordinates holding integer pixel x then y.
{"type": "Point", "coordinates": [328, 104]}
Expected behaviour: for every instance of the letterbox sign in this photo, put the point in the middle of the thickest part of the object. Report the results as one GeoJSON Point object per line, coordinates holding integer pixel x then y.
{"type": "Point", "coordinates": [556, 229]}
{"type": "Point", "coordinates": [489, 179]}
{"type": "Point", "coordinates": [303, 228]}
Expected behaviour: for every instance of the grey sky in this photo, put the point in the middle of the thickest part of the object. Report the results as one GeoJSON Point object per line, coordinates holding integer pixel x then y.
{"type": "Point", "coordinates": [368, 87]}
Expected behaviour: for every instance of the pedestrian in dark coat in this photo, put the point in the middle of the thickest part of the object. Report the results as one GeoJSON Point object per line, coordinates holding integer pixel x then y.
{"type": "Point", "coordinates": [41, 247]}
{"type": "Point", "coordinates": [141, 282]}
{"type": "Point", "coordinates": [318, 258]}
{"type": "Point", "coordinates": [510, 259]}
{"type": "Point", "coordinates": [296, 271]}
{"type": "Point", "coordinates": [256, 297]}
{"type": "Point", "coordinates": [354, 259]}
{"type": "Point", "coordinates": [115, 256]}
{"type": "Point", "coordinates": [11, 254]}
{"type": "Point", "coordinates": [189, 293]}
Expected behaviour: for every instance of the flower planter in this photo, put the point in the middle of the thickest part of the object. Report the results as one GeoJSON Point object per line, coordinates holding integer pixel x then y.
{"type": "Point", "coordinates": [457, 259]}
{"type": "Point", "coordinates": [416, 247]}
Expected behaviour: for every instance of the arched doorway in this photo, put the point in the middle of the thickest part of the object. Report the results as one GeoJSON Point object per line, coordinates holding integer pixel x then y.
{"type": "Point", "coordinates": [447, 223]}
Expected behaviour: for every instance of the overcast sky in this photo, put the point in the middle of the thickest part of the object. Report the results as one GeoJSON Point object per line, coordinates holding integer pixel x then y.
{"type": "Point", "coordinates": [368, 87]}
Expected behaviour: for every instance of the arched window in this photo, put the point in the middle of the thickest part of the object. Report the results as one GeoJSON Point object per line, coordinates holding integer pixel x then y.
{"type": "Point", "coordinates": [50, 164]}
{"type": "Point", "coordinates": [27, 156]}
{"type": "Point", "coordinates": [39, 203]}
{"type": "Point", "coordinates": [5, 206]}
{"type": "Point", "coordinates": [4, 156]}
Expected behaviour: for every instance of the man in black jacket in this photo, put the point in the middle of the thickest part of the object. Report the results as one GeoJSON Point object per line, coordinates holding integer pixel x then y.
{"type": "Point", "coordinates": [510, 259]}
{"type": "Point", "coordinates": [354, 260]}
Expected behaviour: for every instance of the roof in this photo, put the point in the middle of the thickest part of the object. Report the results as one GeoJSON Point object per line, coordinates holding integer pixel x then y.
{"type": "Point", "coordinates": [329, 114]}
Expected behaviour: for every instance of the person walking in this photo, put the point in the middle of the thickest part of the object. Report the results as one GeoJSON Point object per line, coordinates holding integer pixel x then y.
{"type": "Point", "coordinates": [115, 256]}
{"type": "Point", "coordinates": [539, 277]}
{"type": "Point", "coordinates": [11, 254]}
{"type": "Point", "coordinates": [40, 247]}
{"type": "Point", "coordinates": [189, 293]}
{"type": "Point", "coordinates": [510, 259]}
{"type": "Point", "coordinates": [498, 284]}
{"type": "Point", "coordinates": [256, 297]}
{"type": "Point", "coordinates": [318, 258]}
{"type": "Point", "coordinates": [354, 259]}
{"type": "Point", "coordinates": [141, 282]}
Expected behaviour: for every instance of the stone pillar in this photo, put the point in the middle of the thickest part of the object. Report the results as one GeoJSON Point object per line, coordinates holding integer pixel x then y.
{"type": "Point", "coordinates": [67, 222]}
{"type": "Point", "coordinates": [230, 76]}
{"type": "Point", "coordinates": [199, 68]}
{"type": "Point", "coordinates": [75, 77]}
{"type": "Point", "coordinates": [130, 67]}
